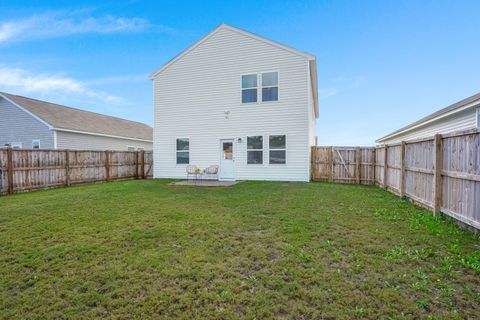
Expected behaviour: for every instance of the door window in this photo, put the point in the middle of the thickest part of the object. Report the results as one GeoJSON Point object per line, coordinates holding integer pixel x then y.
{"type": "Point", "coordinates": [227, 150]}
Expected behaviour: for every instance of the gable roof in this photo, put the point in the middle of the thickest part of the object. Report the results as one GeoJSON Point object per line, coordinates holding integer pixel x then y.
{"type": "Point", "coordinates": [450, 110]}
{"type": "Point", "coordinates": [224, 26]}
{"type": "Point", "coordinates": [63, 118]}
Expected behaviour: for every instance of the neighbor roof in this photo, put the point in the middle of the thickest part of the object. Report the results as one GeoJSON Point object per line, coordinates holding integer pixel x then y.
{"type": "Point", "coordinates": [310, 57]}
{"type": "Point", "coordinates": [451, 109]}
{"type": "Point", "coordinates": [65, 118]}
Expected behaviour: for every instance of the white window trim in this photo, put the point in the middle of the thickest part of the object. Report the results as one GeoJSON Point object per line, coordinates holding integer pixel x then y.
{"type": "Point", "coordinates": [263, 149]}
{"type": "Point", "coordinates": [176, 151]}
{"type": "Point", "coordinates": [277, 86]}
{"type": "Point", "coordinates": [259, 87]}
{"type": "Point", "coordinates": [16, 145]}
{"type": "Point", "coordinates": [286, 147]}
{"type": "Point", "coordinates": [36, 140]}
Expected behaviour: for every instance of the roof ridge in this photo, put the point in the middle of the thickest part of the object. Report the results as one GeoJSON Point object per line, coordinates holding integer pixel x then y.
{"type": "Point", "coordinates": [68, 107]}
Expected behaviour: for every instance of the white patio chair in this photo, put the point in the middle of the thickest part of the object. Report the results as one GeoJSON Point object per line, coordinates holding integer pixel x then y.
{"type": "Point", "coordinates": [212, 171]}
{"type": "Point", "coordinates": [191, 171]}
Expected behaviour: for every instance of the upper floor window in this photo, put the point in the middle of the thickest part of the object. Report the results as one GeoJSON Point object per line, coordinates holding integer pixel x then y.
{"type": "Point", "coordinates": [249, 88]}
{"type": "Point", "coordinates": [270, 86]}
{"type": "Point", "coordinates": [278, 149]}
{"type": "Point", "coordinates": [255, 150]}
{"type": "Point", "coordinates": [183, 151]}
{"type": "Point", "coordinates": [35, 144]}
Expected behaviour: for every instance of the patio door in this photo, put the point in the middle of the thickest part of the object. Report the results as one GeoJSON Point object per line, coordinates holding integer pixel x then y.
{"type": "Point", "coordinates": [227, 160]}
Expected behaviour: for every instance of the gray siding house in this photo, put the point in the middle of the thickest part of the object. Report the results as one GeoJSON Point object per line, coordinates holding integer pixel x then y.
{"type": "Point", "coordinates": [30, 123]}
{"type": "Point", "coordinates": [460, 116]}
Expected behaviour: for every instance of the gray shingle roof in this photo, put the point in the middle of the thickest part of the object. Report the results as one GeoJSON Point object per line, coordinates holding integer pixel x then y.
{"type": "Point", "coordinates": [63, 117]}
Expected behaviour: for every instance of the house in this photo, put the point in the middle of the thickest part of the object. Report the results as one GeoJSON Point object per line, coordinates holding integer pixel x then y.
{"type": "Point", "coordinates": [237, 100]}
{"type": "Point", "coordinates": [31, 123]}
{"type": "Point", "coordinates": [459, 116]}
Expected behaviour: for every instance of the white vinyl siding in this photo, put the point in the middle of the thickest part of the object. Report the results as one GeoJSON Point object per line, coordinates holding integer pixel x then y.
{"type": "Point", "coordinates": [457, 122]}
{"type": "Point", "coordinates": [71, 140]}
{"type": "Point", "coordinates": [18, 126]}
{"type": "Point", "coordinates": [186, 104]}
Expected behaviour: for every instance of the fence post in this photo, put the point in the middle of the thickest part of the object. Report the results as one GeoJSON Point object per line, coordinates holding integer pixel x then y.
{"type": "Point", "coordinates": [136, 165]}
{"type": "Point", "coordinates": [437, 175]}
{"type": "Point", "coordinates": [107, 165]}
{"type": "Point", "coordinates": [143, 164]}
{"type": "Point", "coordinates": [330, 166]}
{"type": "Point", "coordinates": [67, 168]}
{"type": "Point", "coordinates": [374, 164]}
{"type": "Point", "coordinates": [403, 171]}
{"type": "Point", "coordinates": [358, 164]}
{"type": "Point", "coordinates": [10, 169]}
{"type": "Point", "coordinates": [385, 168]}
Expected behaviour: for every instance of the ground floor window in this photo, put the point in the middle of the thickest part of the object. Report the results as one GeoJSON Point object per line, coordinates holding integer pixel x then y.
{"type": "Point", "coordinates": [277, 149]}
{"type": "Point", "coordinates": [255, 150]}
{"type": "Point", "coordinates": [16, 145]}
{"type": "Point", "coordinates": [183, 151]}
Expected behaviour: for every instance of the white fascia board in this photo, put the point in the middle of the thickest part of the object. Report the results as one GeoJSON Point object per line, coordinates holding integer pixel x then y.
{"type": "Point", "coordinates": [102, 135]}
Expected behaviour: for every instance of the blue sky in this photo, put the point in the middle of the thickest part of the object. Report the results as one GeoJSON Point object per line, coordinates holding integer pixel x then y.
{"type": "Point", "coordinates": [381, 64]}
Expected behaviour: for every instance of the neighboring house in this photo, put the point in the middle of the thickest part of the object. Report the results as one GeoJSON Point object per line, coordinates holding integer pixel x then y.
{"type": "Point", "coordinates": [459, 116]}
{"type": "Point", "coordinates": [30, 123]}
{"type": "Point", "coordinates": [239, 101]}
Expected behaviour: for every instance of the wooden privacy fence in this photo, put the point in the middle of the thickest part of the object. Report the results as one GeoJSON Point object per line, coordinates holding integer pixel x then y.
{"type": "Point", "coordinates": [441, 173]}
{"type": "Point", "coordinates": [24, 170]}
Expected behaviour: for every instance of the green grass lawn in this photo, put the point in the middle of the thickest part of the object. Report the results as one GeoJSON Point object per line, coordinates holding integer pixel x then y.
{"type": "Point", "coordinates": [256, 250]}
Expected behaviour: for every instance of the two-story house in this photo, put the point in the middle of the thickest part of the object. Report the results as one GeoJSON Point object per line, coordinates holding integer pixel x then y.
{"type": "Point", "coordinates": [236, 100]}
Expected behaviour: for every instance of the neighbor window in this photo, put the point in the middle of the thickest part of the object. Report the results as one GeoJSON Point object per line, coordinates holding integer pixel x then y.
{"type": "Point", "coordinates": [249, 88]}
{"type": "Point", "coordinates": [130, 148]}
{"type": "Point", "coordinates": [277, 149]}
{"type": "Point", "coordinates": [16, 145]}
{"type": "Point", "coordinates": [270, 86]}
{"type": "Point", "coordinates": [183, 151]}
{"type": "Point", "coordinates": [35, 144]}
{"type": "Point", "coordinates": [478, 118]}
{"type": "Point", "coordinates": [255, 150]}
{"type": "Point", "coordinates": [140, 149]}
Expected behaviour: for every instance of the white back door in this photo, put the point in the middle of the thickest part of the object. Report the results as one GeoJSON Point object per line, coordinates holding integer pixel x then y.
{"type": "Point", "coordinates": [227, 165]}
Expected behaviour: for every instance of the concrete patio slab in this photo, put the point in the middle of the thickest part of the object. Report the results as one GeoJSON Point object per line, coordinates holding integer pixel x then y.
{"type": "Point", "coordinates": [204, 183]}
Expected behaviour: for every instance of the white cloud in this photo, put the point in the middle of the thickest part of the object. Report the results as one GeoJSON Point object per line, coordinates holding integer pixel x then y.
{"type": "Point", "coordinates": [341, 84]}
{"type": "Point", "coordinates": [61, 24]}
{"type": "Point", "coordinates": [21, 81]}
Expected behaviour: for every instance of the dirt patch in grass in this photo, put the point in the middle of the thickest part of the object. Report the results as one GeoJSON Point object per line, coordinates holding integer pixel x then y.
{"type": "Point", "coordinates": [256, 250]}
